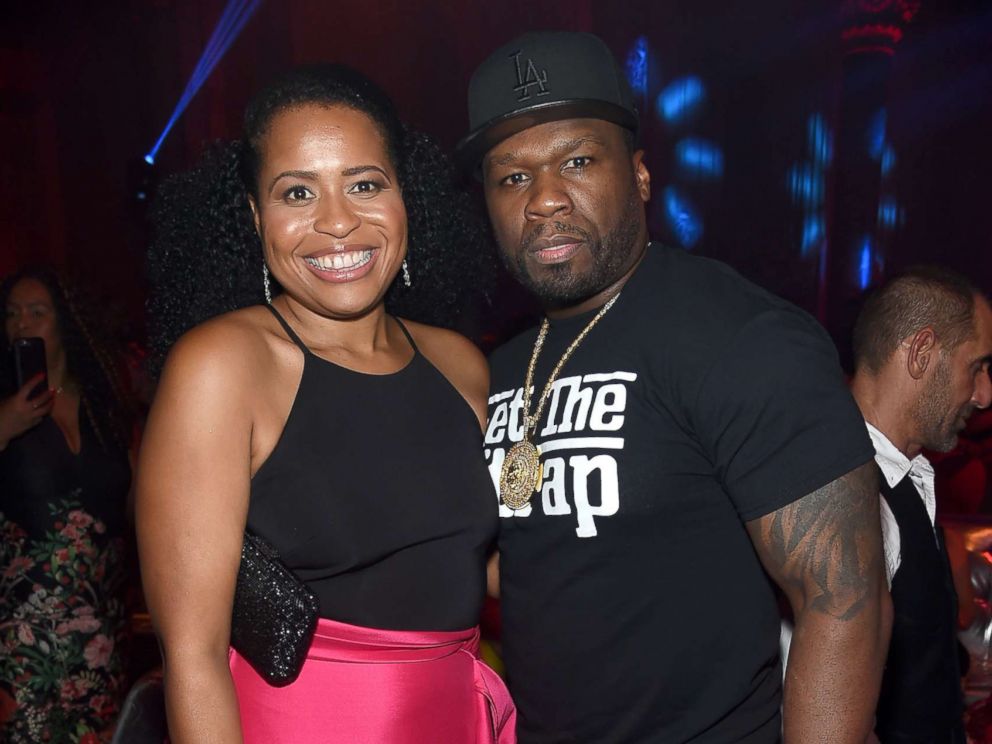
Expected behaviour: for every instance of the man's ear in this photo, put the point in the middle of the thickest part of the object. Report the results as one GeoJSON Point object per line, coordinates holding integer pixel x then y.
{"type": "Point", "coordinates": [921, 352]}
{"type": "Point", "coordinates": [641, 175]}
{"type": "Point", "coordinates": [254, 215]}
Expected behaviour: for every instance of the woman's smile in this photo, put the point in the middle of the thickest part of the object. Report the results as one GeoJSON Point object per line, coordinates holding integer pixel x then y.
{"type": "Point", "coordinates": [342, 266]}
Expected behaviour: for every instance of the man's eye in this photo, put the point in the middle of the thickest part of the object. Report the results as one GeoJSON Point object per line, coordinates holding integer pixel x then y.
{"type": "Point", "coordinates": [514, 179]}
{"type": "Point", "coordinates": [578, 162]}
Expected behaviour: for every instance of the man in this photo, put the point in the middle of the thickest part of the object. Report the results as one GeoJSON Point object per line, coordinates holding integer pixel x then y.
{"type": "Point", "coordinates": [922, 346]}
{"type": "Point", "coordinates": [695, 430]}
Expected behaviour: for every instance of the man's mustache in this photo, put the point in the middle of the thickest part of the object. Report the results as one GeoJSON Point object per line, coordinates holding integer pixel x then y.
{"type": "Point", "coordinates": [553, 228]}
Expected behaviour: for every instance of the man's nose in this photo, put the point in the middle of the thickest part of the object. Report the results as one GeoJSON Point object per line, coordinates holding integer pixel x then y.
{"type": "Point", "coordinates": [548, 198]}
{"type": "Point", "coordinates": [982, 395]}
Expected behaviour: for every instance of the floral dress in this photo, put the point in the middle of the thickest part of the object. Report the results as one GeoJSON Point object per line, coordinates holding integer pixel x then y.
{"type": "Point", "coordinates": [62, 611]}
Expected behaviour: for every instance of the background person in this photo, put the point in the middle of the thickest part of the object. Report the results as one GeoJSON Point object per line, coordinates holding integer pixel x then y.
{"type": "Point", "coordinates": [65, 477]}
{"type": "Point", "coordinates": [922, 347]}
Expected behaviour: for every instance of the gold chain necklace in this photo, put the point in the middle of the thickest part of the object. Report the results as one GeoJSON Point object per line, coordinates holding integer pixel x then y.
{"type": "Point", "coordinates": [522, 471]}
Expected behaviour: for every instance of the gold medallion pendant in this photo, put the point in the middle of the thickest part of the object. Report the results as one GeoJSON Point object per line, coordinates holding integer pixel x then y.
{"type": "Point", "coordinates": [522, 472]}
{"type": "Point", "coordinates": [521, 475]}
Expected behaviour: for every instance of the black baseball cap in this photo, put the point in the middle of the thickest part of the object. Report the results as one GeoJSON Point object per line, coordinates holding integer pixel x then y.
{"type": "Point", "coordinates": [539, 77]}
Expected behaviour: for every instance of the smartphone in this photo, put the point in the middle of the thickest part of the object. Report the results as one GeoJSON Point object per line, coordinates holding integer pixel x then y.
{"type": "Point", "coordinates": [29, 360]}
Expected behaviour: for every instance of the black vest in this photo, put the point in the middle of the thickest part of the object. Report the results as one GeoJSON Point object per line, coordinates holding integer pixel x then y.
{"type": "Point", "coordinates": [921, 698]}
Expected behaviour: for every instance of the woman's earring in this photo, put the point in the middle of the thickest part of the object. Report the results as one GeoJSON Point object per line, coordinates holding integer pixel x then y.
{"type": "Point", "coordinates": [266, 283]}
{"type": "Point", "coordinates": [406, 274]}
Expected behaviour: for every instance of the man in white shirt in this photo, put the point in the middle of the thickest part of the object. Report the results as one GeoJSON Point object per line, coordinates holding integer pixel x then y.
{"type": "Point", "coordinates": [922, 347]}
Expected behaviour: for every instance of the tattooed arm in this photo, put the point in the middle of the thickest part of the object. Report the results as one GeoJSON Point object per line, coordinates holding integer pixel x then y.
{"type": "Point", "coordinates": [825, 552]}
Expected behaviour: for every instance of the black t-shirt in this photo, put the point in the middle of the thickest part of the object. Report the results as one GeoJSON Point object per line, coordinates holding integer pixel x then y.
{"type": "Point", "coordinates": [634, 606]}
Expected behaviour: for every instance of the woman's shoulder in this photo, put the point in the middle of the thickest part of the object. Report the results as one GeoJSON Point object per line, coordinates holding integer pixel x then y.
{"type": "Point", "coordinates": [231, 343]}
{"type": "Point", "coordinates": [455, 356]}
{"type": "Point", "coordinates": [447, 345]}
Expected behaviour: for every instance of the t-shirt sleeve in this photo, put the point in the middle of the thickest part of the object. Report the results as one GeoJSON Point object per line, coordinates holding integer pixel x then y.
{"type": "Point", "coordinates": [775, 414]}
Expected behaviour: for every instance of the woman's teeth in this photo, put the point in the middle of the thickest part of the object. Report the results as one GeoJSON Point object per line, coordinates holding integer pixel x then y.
{"type": "Point", "coordinates": [339, 261]}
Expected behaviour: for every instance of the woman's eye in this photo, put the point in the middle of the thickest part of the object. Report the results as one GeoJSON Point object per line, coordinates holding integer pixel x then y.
{"type": "Point", "coordinates": [297, 193]}
{"type": "Point", "coordinates": [366, 188]}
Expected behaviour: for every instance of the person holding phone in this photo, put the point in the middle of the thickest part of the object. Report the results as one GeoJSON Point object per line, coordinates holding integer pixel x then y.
{"type": "Point", "coordinates": [33, 400]}
{"type": "Point", "coordinates": [324, 419]}
{"type": "Point", "coordinates": [23, 411]}
{"type": "Point", "coordinates": [65, 472]}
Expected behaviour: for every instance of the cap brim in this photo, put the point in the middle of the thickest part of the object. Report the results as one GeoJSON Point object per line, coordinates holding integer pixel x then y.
{"type": "Point", "coordinates": [472, 148]}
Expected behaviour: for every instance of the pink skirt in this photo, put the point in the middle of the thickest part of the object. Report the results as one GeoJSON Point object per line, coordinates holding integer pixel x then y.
{"type": "Point", "coordinates": [369, 686]}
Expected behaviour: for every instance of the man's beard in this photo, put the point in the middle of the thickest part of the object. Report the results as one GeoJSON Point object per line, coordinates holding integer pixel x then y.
{"type": "Point", "coordinates": [558, 285]}
{"type": "Point", "coordinates": [938, 423]}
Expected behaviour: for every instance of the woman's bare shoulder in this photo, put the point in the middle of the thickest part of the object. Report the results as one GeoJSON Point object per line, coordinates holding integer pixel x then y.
{"type": "Point", "coordinates": [232, 344]}
{"type": "Point", "coordinates": [449, 347]}
{"type": "Point", "coordinates": [457, 358]}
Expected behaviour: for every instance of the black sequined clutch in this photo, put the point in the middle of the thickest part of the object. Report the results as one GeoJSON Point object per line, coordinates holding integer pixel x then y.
{"type": "Point", "coordinates": [275, 614]}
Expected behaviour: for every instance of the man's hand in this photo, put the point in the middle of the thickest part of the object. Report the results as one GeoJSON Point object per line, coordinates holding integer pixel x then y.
{"type": "Point", "coordinates": [825, 552]}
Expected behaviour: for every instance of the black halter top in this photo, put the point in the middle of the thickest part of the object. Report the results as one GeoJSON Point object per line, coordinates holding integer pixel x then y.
{"type": "Point", "coordinates": [378, 497]}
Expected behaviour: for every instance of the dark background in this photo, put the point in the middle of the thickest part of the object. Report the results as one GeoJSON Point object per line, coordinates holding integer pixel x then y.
{"type": "Point", "coordinates": [85, 89]}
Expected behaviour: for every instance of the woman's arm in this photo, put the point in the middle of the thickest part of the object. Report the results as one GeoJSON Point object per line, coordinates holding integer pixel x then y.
{"type": "Point", "coordinates": [492, 575]}
{"type": "Point", "coordinates": [192, 500]}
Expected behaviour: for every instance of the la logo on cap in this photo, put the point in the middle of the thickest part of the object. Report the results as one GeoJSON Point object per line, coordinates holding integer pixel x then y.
{"type": "Point", "coordinates": [529, 77]}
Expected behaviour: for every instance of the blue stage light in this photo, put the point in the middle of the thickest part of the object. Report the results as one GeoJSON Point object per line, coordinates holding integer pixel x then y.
{"type": "Point", "coordinates": [820, 139]}
{"type": "Point", "coordinates": [682, 218]}
{"type": "Point", "coordinates": [888, 212]}
{"type": "Point", "coordinates": [228, 21]}
{"type": "Point", "coordinates": [888, 159]}
{"type": "Point", "coordinates": [806, 184]}
{"type": "Point", "coordinates": [699, 158]}
{"type": "Point", "coordinates": [865, 261]}
{"type": "Point", "coordinates": [236, 14]}
{"type": "Point", "coordinates": [814, 232]}
{"type": "Point", "coordinates": [680, 99]}
{"type": "Point", "coordinates": [876, 134]}
{"type": "Point", "coordinates": [637, 66]}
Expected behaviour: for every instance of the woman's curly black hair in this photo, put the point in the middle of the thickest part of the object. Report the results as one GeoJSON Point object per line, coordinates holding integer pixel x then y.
{"type": "Point", "coordinates": [89, 360]}
{"type": "Point", "coordinates": [206, 257]}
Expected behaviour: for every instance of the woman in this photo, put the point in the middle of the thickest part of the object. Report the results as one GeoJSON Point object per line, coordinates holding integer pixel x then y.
{"type": "Point", "coordinates": [65, 477]}
{"type": "Point", "coordinates": [348, 439]}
